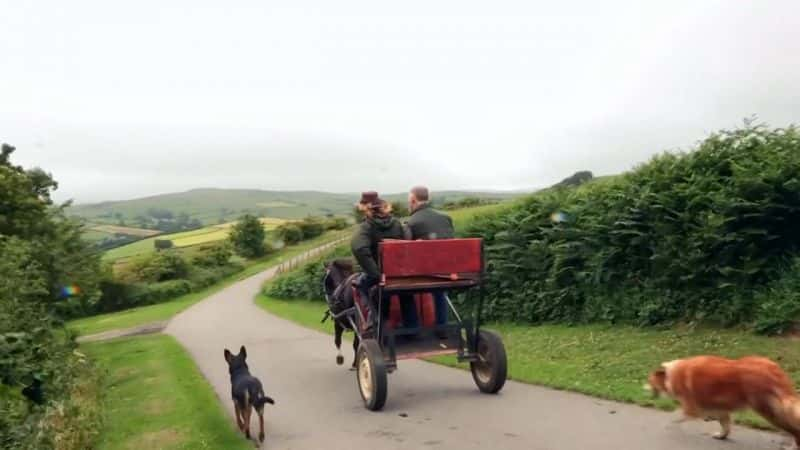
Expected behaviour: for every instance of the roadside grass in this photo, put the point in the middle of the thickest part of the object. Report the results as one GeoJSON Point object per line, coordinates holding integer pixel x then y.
{"type": "Point", "coordinates": [610, 362]}
{"type": "Point", "coordinates": [156, 398]}
{"type": "Point", "coordinates": [163, 311]}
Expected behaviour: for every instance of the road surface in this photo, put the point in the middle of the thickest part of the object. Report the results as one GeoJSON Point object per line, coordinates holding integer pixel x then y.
{"type": "Point", "coordinates": [318, 406]}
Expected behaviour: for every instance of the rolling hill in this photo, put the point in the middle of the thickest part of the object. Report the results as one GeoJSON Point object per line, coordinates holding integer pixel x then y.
{"type": "Point", "coordinates": [214, 206]}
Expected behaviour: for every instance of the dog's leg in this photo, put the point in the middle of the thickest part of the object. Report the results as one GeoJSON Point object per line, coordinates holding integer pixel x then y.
{"type": "Point", "coordinates": [261, 424]}
{"type": "Point", "coordinates": [725, 423]}
{"type": "Point", "coordinates": [238, 412]}
{"type": "Point", "coordinates": [689, 411]}
{"type": "Point", "coordinates": [248, 409]}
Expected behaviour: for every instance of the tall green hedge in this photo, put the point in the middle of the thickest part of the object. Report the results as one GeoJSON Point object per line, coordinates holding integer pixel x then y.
{"type": "Point", "coordinates": [686, 236]}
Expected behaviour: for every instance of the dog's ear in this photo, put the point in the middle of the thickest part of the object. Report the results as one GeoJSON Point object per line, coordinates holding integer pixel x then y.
{"type": "Point", "coordinates": [326, 264]}
{"type": "Point", "coordinates": [228, 355]}
{"type": "Point", "coordinates": [243, 352]}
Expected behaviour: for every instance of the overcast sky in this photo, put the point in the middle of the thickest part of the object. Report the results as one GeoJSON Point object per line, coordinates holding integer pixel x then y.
{"type": "Point", "coordinates": [126, 99]}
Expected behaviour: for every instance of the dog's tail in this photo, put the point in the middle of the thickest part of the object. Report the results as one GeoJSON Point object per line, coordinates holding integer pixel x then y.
{"type": "Point", "coordinates": [783, 411]}
{"type": "Point", "coordinates": [263, 399]}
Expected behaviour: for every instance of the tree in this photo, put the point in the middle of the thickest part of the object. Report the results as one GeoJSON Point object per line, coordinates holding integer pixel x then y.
{"type": "Point", "coordinates": [576, 179]}
{"type": "Point", "coordinates": [289, 233]}
{"type": "Point", "coordinates": [42, 252]}
{"type": "Point", "coordinates": [311, 227]}
{"type": "Point", "coordinates": [399, 209]}
{"type": "Point", "coordinates": [162, 244]}
{"type": "Point", "coordinates": [247, 237]}
{"type": "Point", "coordinates": [337, 223]}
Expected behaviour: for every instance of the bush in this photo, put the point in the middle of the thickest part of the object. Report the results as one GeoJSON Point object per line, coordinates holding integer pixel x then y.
{"type": "Point", "coordinates": [779, 303]}
{"type": "Point", "coordinates": [213, 255]}
{"type": "Point", "coordinates": [201, 277]}
{"type": "Point", "coordinates": [289, 233]}
{"type": "Point", "coordinates": [681, 238]}
{"type": "Point", "coordinates": [247, 237]}
{"type": "Point", "coordinates": [311, 227]}
{"type": "Point", "coordinates": [151, 293]}
{"type": "Point", "coordinates": [337, 223]}
{"type": "Point", "coordinates": [305, 282]}
{"type": "Point", "coordinates": [162, 244]}
{"type": "Point", "coordinates": [161, 266]}
{"type": "Point", "coordinates": [42, 251]}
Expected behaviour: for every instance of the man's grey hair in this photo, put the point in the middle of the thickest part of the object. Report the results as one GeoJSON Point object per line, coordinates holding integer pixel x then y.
{"type": "Point", "coordinates": [421, 193]}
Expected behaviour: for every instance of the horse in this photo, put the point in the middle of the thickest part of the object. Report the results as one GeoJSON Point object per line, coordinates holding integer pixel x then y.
{"type": "Point", "coordinates": [337, 284]}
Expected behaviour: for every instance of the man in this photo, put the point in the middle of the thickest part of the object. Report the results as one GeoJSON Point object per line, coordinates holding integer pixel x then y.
{"type": "Point", "coordinates": [378, 225]}
{"type": "Point", "coordinates": [428, 223]}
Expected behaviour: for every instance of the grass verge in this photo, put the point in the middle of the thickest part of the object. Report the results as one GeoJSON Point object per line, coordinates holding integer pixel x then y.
{"type": "Point", "coordinates": [610, 362]}
{"type": "Point", "coordinates": [156, 398]}
{"type": "Point", "coordinates": [163, 311]}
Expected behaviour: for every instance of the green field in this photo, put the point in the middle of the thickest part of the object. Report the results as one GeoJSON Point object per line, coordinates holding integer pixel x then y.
{"type": "Point", "coordinates": [213, 206]}
{"type": "Point", "coordinates": [183, 239]}
{"type": "Point", "coordinates": [461, 217]}
{"type": "Point", "coordinates": [163, 311]}
{"type": "Point", "coordinates": [156, 398]}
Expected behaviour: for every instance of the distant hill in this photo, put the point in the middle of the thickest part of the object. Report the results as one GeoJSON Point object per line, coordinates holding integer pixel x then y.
{"type": "Point", "coordinates": [212, 206]}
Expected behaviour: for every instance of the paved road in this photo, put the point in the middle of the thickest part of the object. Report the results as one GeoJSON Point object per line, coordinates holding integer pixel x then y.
{"type": "Point", "coordinates": [318, 405]}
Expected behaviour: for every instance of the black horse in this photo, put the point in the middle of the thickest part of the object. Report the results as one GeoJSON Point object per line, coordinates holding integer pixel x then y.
{"type": "Point", "coordinates": [337, 283]}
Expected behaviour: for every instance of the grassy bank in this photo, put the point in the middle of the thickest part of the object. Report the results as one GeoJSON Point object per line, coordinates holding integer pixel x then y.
{"type": "Point", "coordinates": [157, 399]}
{"type": "Point", "coordinates": [163, 311]}
{"type": "Point", "coordinates": [602, 361]}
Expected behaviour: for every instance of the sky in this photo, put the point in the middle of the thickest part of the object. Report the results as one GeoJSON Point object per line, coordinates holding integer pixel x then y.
{"type": "Point", "coordinates": [126, 99]}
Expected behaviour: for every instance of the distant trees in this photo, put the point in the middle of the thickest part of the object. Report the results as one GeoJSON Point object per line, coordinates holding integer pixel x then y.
{"type": "Point", "coordinates": [164, 220]}
{"type": "Point", "coordinates": [400, 209]}
{"type": "Point", "coordinates": [575, 179]}
{"type": "Point", "coordinates": [247, 237]}
{"type": "Point", "coordinates": [468, 202]}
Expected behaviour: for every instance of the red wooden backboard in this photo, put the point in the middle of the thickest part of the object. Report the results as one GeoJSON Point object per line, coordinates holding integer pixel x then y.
{"type": "Point", "coordinates": [431, 258]}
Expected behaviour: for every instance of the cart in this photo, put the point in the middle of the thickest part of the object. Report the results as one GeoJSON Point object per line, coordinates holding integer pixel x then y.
{"type": "Point", "coordinates": [452, 266]}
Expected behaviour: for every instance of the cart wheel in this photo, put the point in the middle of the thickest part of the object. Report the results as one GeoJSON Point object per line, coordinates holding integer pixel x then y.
{"type": "Point", "coordinates": [371, 374]}
{"type": "Point", "coordinates": [489, 372]}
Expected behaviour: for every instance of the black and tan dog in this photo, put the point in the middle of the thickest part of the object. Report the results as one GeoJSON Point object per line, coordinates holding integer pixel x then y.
{"type": "Point", "coordinates": [247, 392]}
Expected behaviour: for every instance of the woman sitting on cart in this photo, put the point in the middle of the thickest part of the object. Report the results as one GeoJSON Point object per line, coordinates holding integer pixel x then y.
{"type": "Point", "coordinates": [378, 224]}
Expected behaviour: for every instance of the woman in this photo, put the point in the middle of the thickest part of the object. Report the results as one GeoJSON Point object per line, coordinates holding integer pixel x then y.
{"type": "Point", "coordinates": [378, 224]}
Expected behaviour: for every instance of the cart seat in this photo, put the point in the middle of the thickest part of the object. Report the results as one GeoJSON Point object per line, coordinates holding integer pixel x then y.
{"type": "Point", "coordinates": [430, 265]}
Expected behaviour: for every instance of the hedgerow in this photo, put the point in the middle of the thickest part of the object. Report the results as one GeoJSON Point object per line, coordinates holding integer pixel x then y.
{"type": "Point", "coordinates": [694, 236]}
{"type": "Point", "coordinates": [306, 281]}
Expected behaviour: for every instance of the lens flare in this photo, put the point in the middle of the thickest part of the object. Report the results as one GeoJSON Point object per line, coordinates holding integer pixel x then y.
{"type": "Point", "coordinates": [70, 290]}
{"type": "Point", "coordinates": [559, 217]}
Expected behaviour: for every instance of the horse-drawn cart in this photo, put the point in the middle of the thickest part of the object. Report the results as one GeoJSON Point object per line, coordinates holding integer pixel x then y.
{"type": "Point", "coordinates": [410, 270]}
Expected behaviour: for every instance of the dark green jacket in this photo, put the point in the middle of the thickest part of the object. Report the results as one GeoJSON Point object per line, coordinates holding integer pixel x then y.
{"type": "Point", "coordinates": [428, 223]}
{"type": "Point", "coordinates": [366, 238]}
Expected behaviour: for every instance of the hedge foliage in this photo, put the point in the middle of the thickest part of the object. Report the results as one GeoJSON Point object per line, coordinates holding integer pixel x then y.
{"type": "Point", "coordinates": [696, 236]}
{"type": "Point", "coordinates": [306, 281]}
{"type": "Point", "coordinates": [45, 401]}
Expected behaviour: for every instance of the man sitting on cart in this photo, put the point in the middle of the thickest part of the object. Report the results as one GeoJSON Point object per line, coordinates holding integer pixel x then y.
{"type": "Point", "coordinates": [378, 224]}
{"type": "Point", "coordinates": [428, 223]}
